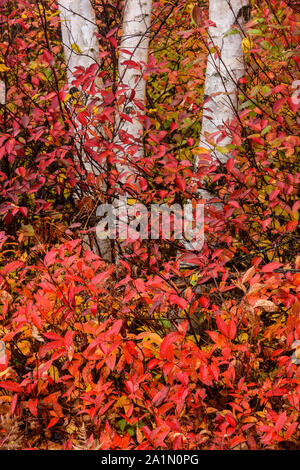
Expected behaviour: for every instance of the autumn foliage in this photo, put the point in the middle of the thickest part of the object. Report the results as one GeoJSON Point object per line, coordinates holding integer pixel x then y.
{"type": "Point", "coordinates": [151, 351]}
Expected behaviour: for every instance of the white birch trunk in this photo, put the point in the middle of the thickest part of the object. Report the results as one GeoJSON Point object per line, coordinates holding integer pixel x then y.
{"type": "Point", "coordinates": [78, 26]}
{"type": "Point", "coordinates": [81, 49]}
{"type": "Point", "coordinates": [81, 46]}
{"type": "Point", "coordinates": [222, 73]}
{"type": "Point", "coordinates": [134, 47]}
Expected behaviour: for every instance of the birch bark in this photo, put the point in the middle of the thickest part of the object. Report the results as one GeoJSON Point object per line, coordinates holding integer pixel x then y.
{"type": "Point", "coordinates": [222, 73]}
{"type": "Point", "coordinates": [132, 84]}
{"type": "Point", "coordinates": [78, 26]}
{"type": "Point", "coordinates": [134, 48]}
{"type": "Point", "coordinates": [81, 49]}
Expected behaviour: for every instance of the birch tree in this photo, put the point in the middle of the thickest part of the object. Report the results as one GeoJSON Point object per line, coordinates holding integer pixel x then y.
{"type": "Point", "coordinates": [133, 56]}
{"type": "Point", "coordinates": [225, 66]}
{"type": "Point", "coordinates": [78, 26]}
{"type": "Point", "coordinates": [80, 43]}
{"type": "Point", "coordinates": [81, 49]}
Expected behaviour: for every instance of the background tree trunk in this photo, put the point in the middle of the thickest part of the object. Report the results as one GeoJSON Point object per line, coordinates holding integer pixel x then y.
{"type": "Point", "coordinates": [223, 72]}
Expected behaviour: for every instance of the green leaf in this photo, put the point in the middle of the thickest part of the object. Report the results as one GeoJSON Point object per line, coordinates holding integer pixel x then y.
{"type": "Point", "coordinates": [231, 31]}
{"type": "Point", "coordinates": [266, 130]}
{"type": "Point", "coordinates": [122, 424]}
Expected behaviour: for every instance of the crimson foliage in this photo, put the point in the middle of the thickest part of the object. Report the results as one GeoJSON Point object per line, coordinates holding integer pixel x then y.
{"type": "Point", "coordinates": [145, 353]}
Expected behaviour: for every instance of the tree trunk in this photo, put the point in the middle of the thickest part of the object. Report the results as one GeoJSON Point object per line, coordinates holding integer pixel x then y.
{"type": "Point", "coordinates": [222, 74]}
{"type": "Point", "coordinates": [132, 85]}
{"type": "Point", "coordinates": [78, 26]}
{"type": "Point", "coordinates": [134, 47]}
{"type": "Point", "coordinates": [81, 49]}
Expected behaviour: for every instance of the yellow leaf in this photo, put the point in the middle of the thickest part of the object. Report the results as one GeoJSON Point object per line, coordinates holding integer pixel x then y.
{"type": "Point", "coordinates": [71, 427]}
{"type": "Point", "coordinates": [243, 337]}
{"type": "Point", "coordinates": [249, 419]}
{"type": "Point", "coordinates": [247, 44]}
{"type": "Point", "coordinates": [131, 201]}
{"type": "Point", "coordinates": [194, 279]}
{"type": "Point", "coordinates": [201, 150]}
{"type": "Point", "coordinates": [5, 398]}
{"type": "Point", "coordinates": [76, 48]}
{"type": "Point", "coordinates": [3, 68]}
{"type": "Point", "coordinates": [53, 372]}
{"type": "Point", "coordinates": [25, 347]}
{"type": "Point", "coordinates": [210, 409]}
{"type": "Point", "coordinates": [5, 372]}
{"type": "Point", "coordinates": [153, 337]}
{"type": "Point", "coordinates": [223, 150]}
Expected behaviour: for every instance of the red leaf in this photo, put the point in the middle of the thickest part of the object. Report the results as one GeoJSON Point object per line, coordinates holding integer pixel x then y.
{"type": "Point", "coordinates": [48, 57]}
{"type": "Point", "coordinates": [274, 194]}
{"type": "Point", "coordinates": [268, 268]}
{"type": "Point", "coordinates": [160, 396]}
{"type": "Point", "coordinates": [139, 285]}
{"type": "Point", "coordinates": [216, 337]}
{"type": "Point", "coordinates": [196, 13]}
{"type": "Point", "coordinates": [52, 422]}
{"type": "Point", "coordinates": [182, 303]}
{"type": "Point", "coordinates": [50, 346]}
{"type": "Point", "coordinates": [237, 440]}
{"type": "Point", "coordinates": [68, 339]}
{"type": "Point", "coordinates": [234, 204]}
{"type": "Point", "coordinates": [232, 329]}
{"type": "Point", "coordinates": [24, 211]}
{"type": "Point", "coordinates": [13, 266]}
{"type": "Point", "coordinates": [50, 258]}
{"type": "Point", "coordinates": [204, 301]}
{"type": "Point", "coordinates": [52, 335]}
{"type": "Point", "coordinates": [291, 429]}
{"type": "Point", "coordinates": [278, 105]}
{"type": "Point", "coordinates": [114, 330]}
{"type": "Point", "coordinates": [214, 370]}
{"type": "Point", "coordinates": [9, 385]}
{"type": "Point", "coordinates": [102, 276]}
{"type": "Point", "coordinates": [32, 405]}
{"type": "Point", "coordinates": [280, 422]}
{"type": "Point", "coordinates": [181, 183]}
{"type": "Point", "coordinates": [222, 326]}
{"type": "Point", "coordinates": [13, 403]}
{"type": "Point", "coordinates": [166, 348]}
